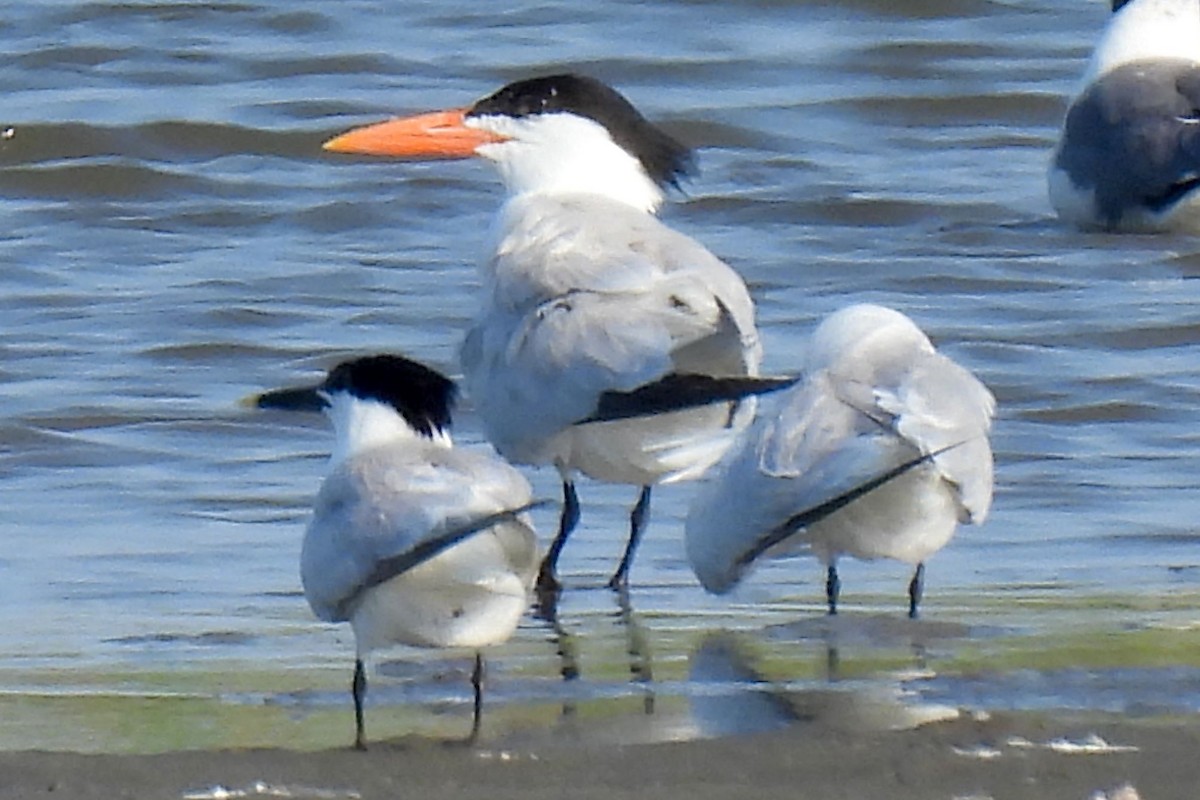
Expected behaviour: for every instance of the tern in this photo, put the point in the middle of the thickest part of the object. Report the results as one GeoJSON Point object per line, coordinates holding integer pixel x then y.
{"type": "Point", "coordinates": [880, 452]}
{"type": "Point", "coordinates": [412, 541]}
{"type": "Point", "coordinates": [608, 344]}
{"type": "Point", "coordinates": [1128, 157]}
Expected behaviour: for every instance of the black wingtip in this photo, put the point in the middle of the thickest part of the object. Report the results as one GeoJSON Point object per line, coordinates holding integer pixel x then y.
{"type": "Point", "coordinates": [817, 513]}
{"type": "Point", "coordinates": [682, 391]}
{"type": "Point", "coordinates": [389, 568]}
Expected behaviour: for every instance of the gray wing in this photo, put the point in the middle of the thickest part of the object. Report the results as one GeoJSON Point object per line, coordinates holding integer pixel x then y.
{"type": "Point", "coordinates": [377, 513]}
{"type": "Point", "coordinates": [590, 298]}
{"type": "Point", "coordinates": [832, 438]}
{"type": "Point", "coordinates": [945, 411]}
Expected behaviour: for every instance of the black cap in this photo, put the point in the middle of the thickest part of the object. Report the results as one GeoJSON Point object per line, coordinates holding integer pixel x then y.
{"type": "Point", "coordinates": [665, 160]}
{"type": "Point", "coordinates": [423, 396]}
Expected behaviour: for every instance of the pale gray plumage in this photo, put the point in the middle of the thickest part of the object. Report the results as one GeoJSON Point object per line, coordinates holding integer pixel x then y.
{"type": "Point", "coordinates": [412, 541]}
{"type": "Point", "coordinates": [876, 398]}
{"type": "Point", "coordinates": [387, 501]}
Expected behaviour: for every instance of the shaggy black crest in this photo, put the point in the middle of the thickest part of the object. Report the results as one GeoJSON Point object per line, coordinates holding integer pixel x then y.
{"type": "Point", "coordinates": [423, 396]}
{"type": "Point", "coordinates": [665, 160]}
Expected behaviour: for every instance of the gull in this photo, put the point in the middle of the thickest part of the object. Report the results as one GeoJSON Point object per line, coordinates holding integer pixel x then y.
{"type": "Point", "coordinates": [1128, 157]}
{"type": "Point", "coordinates": [880, 452]}
{"type": "Point", "coordinates": [412, 541]}
{"type": "Point", "coordinates": [607, 344]}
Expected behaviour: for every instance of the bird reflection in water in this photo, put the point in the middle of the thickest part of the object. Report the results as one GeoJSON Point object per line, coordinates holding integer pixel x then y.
{"type": "Point", "coordinates": [637, 646]}
{"type": "Point", "coordinates": [567, 649]}
{"type": "Point", "coordinates": [731, 697]}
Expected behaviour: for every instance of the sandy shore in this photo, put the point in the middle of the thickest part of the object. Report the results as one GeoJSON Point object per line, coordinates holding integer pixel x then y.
{"type": "Point", "coordinates": [1024, 756]}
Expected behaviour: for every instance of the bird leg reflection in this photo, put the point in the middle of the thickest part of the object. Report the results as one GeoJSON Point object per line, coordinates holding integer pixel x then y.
{"type": "Point", "coordinates": [568, 657]}
{"type": "Point", "coordinates": [641, 670]}
{"type": "Point", "coordinates": [833, 661]}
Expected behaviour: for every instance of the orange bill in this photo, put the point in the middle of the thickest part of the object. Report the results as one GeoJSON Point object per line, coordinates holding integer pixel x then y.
{"type": "Point", "coordinates": [440, 134]}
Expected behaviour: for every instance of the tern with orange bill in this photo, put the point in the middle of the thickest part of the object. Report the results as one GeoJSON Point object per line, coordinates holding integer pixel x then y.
{"type": "Point", "coordinates": [607, 344]}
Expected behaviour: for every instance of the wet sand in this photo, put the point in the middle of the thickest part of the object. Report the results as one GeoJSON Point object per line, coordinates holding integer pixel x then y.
{"type": "Point", "coordinates": [1023, 755]}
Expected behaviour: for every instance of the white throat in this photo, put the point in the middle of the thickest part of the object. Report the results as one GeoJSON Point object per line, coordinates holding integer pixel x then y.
{"type": "Point", "coordinates": [1147, 30]}
{"type": "Point", "coordinates": [360, 425]}
{"type": "Point", "coordinates": [565, 153]}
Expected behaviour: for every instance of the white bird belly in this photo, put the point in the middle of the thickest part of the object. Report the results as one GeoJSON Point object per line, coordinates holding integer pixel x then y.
{"type": "Point", "coordinates": [677, 446]}
{"type": "Point", "coordinates": [907, 519]}
{"type": "Point", "coordinates": [1077, 205]}
{"type": "Point", "coordinates": [1074, 204]}
{"type": "Point", "coordinates": [421, 608]}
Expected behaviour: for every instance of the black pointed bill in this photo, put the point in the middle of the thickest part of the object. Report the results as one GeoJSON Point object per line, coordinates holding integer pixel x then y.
{"type": "Point", "coordinates": [303, 399]}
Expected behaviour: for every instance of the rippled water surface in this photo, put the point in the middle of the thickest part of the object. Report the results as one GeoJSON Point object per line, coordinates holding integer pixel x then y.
{"type": "Point", "coordinates": [174, 239]}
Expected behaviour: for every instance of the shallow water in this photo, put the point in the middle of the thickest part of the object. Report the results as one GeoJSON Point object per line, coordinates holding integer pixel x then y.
{"type": "Point", "coordinates": [175, 240]}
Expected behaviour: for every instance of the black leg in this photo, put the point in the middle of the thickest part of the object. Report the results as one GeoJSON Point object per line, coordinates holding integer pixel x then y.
{"type": "Point", "coordinates": [916, 588]}
{"type": "Point", "coordinates": [477, 685]}
{"type": "Point", "coordinates": [358, 689]}
{"type": "Point", "coordinates": [637, 524]}
{"type": "Point", "coordinates": [547, 582]}
{"type": "Point", "coordinates": [833, 587]}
